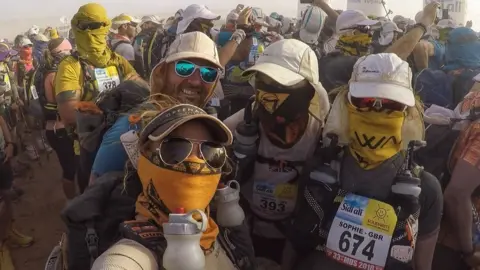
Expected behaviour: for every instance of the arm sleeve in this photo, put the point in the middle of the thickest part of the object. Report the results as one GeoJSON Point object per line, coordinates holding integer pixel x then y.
{"type": "Point", "coordinates": [235, 119]}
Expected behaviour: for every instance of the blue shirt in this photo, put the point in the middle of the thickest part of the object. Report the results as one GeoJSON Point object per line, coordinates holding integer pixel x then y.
{"type": "Point", "coordinates": [111, 155]}
{"type": "Point", "coordinates": [437, 61]}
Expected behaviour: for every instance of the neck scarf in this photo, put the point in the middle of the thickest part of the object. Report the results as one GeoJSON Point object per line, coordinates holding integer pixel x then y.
{"type": "Point", "coordinates": [166, 189]}
{"type": "Point", "coordinates": [26, 58]}
{"type": "Point", "coordinates": [374, 136]}
{"type": "Point", "coordinates": [357, 45]}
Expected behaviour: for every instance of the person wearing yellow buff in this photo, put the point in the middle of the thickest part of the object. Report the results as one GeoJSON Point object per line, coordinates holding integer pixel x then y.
{"type": "Point", "coordinates": [94, 68]}
{"type": "Point", "coordinates": [353, 28]}
{"type": "Point", "coordinates": [180, 161]}
{"type": "Point", "coordinates": [373, 181]}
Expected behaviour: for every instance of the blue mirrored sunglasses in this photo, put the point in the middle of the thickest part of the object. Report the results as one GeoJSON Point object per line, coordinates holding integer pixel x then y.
{"type": "Point", "coordinates": [185, 69]}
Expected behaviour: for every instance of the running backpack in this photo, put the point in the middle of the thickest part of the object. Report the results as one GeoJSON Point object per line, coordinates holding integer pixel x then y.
{"type": "Point", "coordinates": [93, 219]}
{"type": "Point", "coordinates": [94, 119]}
{"type": "Point", "coordinates": [114, 46]}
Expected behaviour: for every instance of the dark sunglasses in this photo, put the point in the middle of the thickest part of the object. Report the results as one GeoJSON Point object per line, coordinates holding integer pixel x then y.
{"type": "Point", "coordinates": [90, 25]}
{"type": "Point", "coordinates": [377, 104]}
{"type": "Point", "coordinates": [173, 151]}
{"type": "Point", "coordinates": [186, 69]}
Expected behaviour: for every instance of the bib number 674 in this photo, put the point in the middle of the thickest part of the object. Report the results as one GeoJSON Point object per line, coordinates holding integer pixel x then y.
{"type": "Point", "coordinates": [349, 243]}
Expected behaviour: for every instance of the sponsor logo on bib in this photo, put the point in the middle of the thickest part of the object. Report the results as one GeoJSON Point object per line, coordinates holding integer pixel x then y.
{"type": "Point", "coordinates": [361, 233]}
{"type": "Point", "coordinates": [107, 78]}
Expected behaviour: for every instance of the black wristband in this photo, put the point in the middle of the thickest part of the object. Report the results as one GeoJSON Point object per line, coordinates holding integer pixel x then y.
{"type": "Point", "coordinates": [421, 25]}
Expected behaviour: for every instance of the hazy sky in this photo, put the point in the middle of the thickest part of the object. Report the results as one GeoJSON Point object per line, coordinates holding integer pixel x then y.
{"type": "Point", "coordinates": [18, 16]}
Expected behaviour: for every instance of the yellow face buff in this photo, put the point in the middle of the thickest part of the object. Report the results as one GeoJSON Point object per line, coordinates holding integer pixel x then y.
{"type": "Point", "coordinates": [167, 189]}
{"type": "Point", "coordinates": [92, 43]}
{"type": "Point", "coordinates": [357, 45]}
{"type": "Point", "coordinates": [374, 136]}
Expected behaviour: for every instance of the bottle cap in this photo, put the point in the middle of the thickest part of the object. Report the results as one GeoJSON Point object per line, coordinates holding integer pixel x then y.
{"type": "Point", "coordinates": [179, 210]}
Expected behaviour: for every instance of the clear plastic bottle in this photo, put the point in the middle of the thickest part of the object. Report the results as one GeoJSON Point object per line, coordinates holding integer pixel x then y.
{"type": "Point", "coordinates": [229, 212]}
{"type": "Point", "coordinates": [183, 234]}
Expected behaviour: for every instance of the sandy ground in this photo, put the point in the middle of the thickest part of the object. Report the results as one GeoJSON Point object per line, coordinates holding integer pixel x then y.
{"type": "Point", "coordinates": [37, 213]}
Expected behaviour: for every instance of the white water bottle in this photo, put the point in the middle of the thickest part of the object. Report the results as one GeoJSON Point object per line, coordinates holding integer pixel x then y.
{"type": "Point", "coordinates": [229, 212]}
{"type": "Point", "coordinates": [183, 234]}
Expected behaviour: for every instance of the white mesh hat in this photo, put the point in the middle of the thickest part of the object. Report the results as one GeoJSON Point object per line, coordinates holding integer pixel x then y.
{"type": "Point", "coordinates": [352, 18]}
{"type": "Point", "coordinates": [312, 23]}
{"type": "Point", "coordinates": [288, 62]}
{"type": "Point", "coordinates": [191, 45]}
{"type": "Point", "coordinates": [383, 75]}
{"type": "Point", "coordinates": [193, 12]}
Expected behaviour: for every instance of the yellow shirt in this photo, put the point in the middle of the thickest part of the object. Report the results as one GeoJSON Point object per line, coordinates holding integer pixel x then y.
{"type": "Point", "coordinates": [69, 81]}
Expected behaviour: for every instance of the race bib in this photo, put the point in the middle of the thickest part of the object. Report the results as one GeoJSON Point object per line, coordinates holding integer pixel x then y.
{"type": "Point", "coordinates": [107, 78]}
{"type": "Point", "coordinates": [33, 91]}
{"type": "Point", "coordinates": [275, 199]}
{"type": "Point", "coordinates": [361, 233]}
{"type": "Point", "coordinates": [253, 56]}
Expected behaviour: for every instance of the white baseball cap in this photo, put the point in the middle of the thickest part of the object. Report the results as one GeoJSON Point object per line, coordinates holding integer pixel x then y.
{"type": "Point", "coordinates": [151, 18]}
{"type": "Point", "coordinates": [232, 16]}
{"type": "Point", "coordinates": [312, 24]}
{"type": "Point", "coordinates": [288, 62]}
{"type": "Point", "coordinates": [352, 18]}
{"type": "Point", "coordinates": [193, 12]}
{"type": "Point", "coordinates": [25, 42]}
{"type": "Point", "coordinates": [191, 45]}
{"type": "Point", "coordinates": [387, 32]}
{"type": "Point", "coordinates": [382, 75]}
{"type": "Point", "coordinates": [259, 17]}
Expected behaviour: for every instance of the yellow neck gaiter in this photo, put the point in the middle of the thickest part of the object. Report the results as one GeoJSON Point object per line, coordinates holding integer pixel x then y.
{"type": "Point", "coordinates": [92, 43]}
{"type": "Point", "coordinates": [357, 45]}
{"type": "Point", "coordinates": [167, 189]}
{"type": "Point", "coordinates": [374, 136]}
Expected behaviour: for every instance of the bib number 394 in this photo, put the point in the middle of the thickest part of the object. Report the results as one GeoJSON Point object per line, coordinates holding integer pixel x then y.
{"type": "Point", "coordinates": [107, 78]}
{"type": "Point", "coordinates": [361, 233]}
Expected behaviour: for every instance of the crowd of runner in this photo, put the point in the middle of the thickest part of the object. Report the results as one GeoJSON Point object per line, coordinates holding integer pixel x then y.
{"type": "Point", "coordinates": [335, 141]}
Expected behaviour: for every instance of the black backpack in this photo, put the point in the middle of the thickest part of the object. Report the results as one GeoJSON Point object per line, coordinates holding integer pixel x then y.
{"type": "Point", "coordinates": [157, 47]}
{"type": "Point", "coordinates": [105, 213]}
{"type": "Point", "coordinates": [441, 139]}
{"type": "Point", "coordinates": [93, 219]}
{"type": "Point", "coordinates": [91, 127]}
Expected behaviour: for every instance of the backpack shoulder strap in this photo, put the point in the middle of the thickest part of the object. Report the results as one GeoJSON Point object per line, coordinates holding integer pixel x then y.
{"type": "Point", "coordinates": [146, 233]}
